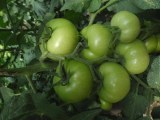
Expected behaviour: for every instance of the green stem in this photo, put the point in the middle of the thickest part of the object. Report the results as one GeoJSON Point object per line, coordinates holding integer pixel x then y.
{"type": "Point", "coordinates": [28, 77]}
{"type": "Point", "coordinates": [34, 68]}
{"type": "Point", "coordinates": [93, 15]}
{"type": "Point", "coordinates": [140, 81]}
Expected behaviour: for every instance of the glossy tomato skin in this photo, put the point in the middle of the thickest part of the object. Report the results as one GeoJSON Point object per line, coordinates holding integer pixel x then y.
{"type": "Point", "coordinates": [135, 56]}
{"type": "Point", "coordinates": [98, 38]}
{"type": "Point", "coordinates": [64, 36]}
{"type": "Point", "coordinates": [79, 84]}
{"type": "Point", "coordinates": [115, 84]}
{"type": "Point", "coordinates": [151, 44]}
{"type": "Point", "coordinates": [129, 25]}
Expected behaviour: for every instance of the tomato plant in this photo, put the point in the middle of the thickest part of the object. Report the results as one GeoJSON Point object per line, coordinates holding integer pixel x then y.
{"type": "Point", "coordinates": [98, 39]}
{"type": "Point", "coordinates": [79, 81]}
{"type": "Point", "coordinates": [61, 35]}
{"type": "Point", "coordinates": [135, 56]}
{"type": "Point", "coordinates": [129, 25]}
{"type": "Point", "coordinates": [79, 59]}
{"type": "Point", "coordinates": [115, 84]}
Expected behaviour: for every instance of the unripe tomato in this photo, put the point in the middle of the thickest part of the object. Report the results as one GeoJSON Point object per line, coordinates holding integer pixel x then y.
{"type": "Point", "coordinates": [158, 45]}
{"type": "Point", "coordinates": [115, 84]}
{"type": "Point", "coordinates": [129, 25]}
{"type": "Point", "coordinates": [64, 36]}
{"type": "Point", "coordinates": [135, 55]}
{"type": "Point", "coordinates": [79, 84]}
{"type": "Point", "coordinates": [98, 38]}
{"type": "Point", "coordinates": [151, 44]}
{"type": "Point", "coordinates": [105, 105]}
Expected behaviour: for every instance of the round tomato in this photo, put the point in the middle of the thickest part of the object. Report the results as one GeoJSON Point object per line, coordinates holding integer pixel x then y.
{"type": "Point", "coordinates": [135, 56]}
{"type": "Point", "coordinates": [61, 36]}
{"type": "Point", "coordinates": [115, 84]}
{"type": "Point", "coordinates": [151, 44]}
{"type": "Point", "coordinates": [129, 25]}
{"type": "Point", "coordinates": [79, 81]}
{"type": "Point", "coordinates": [98, 38]}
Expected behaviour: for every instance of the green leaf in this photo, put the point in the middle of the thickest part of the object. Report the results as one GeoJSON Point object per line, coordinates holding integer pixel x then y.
{"type": "Point", "coordinates": [94, 5]}
{"type": "Point", "coordinates": [74, 17]}
{"type": "Point", "coordinates": [147, 4]}
{"type": "Point", "coordinates": [124, 5]}
{"type": "Point", "coordinates": [135, 106]}
{"type": "Point", "coordinates": [24, 106]}
{"type": "Point", "coordinates": [38, 6]}
{"type": "Point", "coordinates": [6, 93]}
{"type": "Point", "coordinates": [153, 77]}
{"type": "Point", "coordinates": [86, 115]}
{"type": "Point", "coordinates": [76, 5]}
{"type": "Point", "coordinates": [17, 107]}
{"type": "Point", "coordinates": [44, 107]}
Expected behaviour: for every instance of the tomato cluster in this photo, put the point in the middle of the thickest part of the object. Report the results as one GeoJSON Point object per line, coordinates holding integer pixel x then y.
{"type": "Point", "coordinates": [75, 76]}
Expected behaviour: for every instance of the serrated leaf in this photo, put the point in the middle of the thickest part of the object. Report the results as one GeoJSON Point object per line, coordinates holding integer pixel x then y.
{"type": "Point", "coordinates": [124, 5]}
{"type": "Point", "coordinates": [37, 6]}
{"type": "Point", "coordinates": [94, 5]}
{"type": "Point", "coordinates": [6, 93]}
{"type": "Point", "coordinates": [86, 115]}
{"type": "Point", "coordinates": [153, 77]}
{"type": "Point", "coordinates": [147, 4]}
{"type": "Point", "coordinates": [17, 107]}
{"type": "Point", "coordinates": [135, 106]}
{"type": "Point", "coordinates": [76, 5]}
{"type": "Point", "coordinates": [44, 107]}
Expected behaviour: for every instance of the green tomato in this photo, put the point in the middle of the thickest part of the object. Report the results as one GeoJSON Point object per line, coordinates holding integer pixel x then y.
{"type": "Point", "coordinates": [151, 44]}
{"type": "Point", "coordinates": [63, 37]}
{"type": "Point", "coordinates": [129, 25]}
{"type": "Point", "coordinates": [98, 38]}
{"type": "Point", "coordinates": [79, 84]}
{"type": "Point", "coordinates": [115, 84]}
{"type": "Point", "coordinates": [105, 105]}
{"type": "Point", "coordinates": [135, 55]}
{"type": "Point", "coordinates": [158, 45]}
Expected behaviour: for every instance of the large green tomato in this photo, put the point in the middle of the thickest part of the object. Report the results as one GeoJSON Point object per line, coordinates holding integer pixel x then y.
{"type": "Point", "coordinates": [79, 84]}
{"type": "Point", "coordinates": [98, 38]}
{"type": "Point", "coordinates": [135, 55]}
{"type": "Point", "coordinates": [115, 85]}
{"type": "Point", "coordinates": [63, 39]}
{"type": "Point", "coordinates": [129, 25]}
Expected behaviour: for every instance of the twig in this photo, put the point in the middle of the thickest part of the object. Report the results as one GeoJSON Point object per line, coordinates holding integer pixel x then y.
{"type": "Point", "coordinates": [28, 77]}
{"type": "Point", "coordinates": [37, 67]}
{"type": "Point", "coordinates": [140, 81]}
{"type": "Point", "coordinates": [93, 15]}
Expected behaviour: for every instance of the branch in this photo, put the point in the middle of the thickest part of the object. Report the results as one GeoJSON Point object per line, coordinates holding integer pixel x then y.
{"type": "Point", "coordinates": [37, 67]}
{"type": "Point", "coordinates": [139, 81]}
{"type": "Point", "coordinates": [93, 15]}
{"type": "Point", "coordinates": [20, 29]}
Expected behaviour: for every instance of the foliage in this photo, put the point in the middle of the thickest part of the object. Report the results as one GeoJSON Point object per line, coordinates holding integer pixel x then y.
{"type": "Point", "coordinates": [26, 86]}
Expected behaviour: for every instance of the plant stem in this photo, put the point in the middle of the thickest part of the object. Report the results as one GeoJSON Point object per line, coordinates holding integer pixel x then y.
{"type": "Point", "coordinates": [28, 77]}
{"type": "Point", "coordinates": [34, 68]}
{"type": "Point", "coordinates": [140, 81]}
{"type": "Point", "coordinates": [93, 15]}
